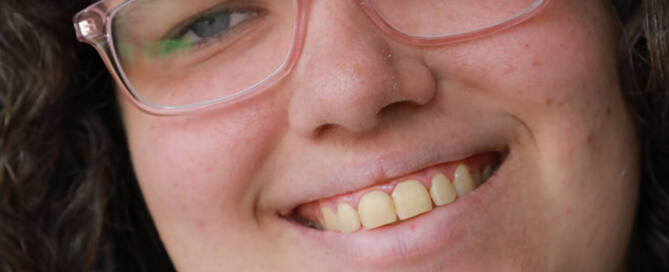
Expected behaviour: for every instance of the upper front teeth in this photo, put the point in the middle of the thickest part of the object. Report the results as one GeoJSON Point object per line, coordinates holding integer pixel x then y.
{"type": "Point", "coordinates": [442, 190]}
{"type": "Point", "coordinates": [376, 209]}
{"type": "Point", "coordinates": [464, 183]}
{"type": "Point", "coordinates": [409, 198]}
{"type": "Point", "coordinates": [348, 220]}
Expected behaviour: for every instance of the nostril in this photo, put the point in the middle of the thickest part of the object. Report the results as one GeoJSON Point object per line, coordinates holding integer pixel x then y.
{"type": "Point", "coordinates": [322, 129]}
{"type": "Point", "coordinates": [353, 126]}
{"type": "Point", "coordinates": [398, 107]}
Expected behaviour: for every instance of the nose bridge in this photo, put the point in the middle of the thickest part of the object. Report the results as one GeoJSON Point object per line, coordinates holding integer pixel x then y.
{"type": "Point", "coordinates": [348, 72]}
{"type": "Point", "coordinates": [345, 18]}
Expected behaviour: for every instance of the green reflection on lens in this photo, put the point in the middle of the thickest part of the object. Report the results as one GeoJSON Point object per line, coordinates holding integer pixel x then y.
{"type": "Point", "coordinates": [173, 46]}
{"type": "Point", "coordinates": [166, 47]}
{"type": "Point", "coordinates": [127, 52]}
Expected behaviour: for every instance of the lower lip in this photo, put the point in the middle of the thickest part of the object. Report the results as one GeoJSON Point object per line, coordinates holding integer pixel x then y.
{"type": "Point", "coordinates": [444, 232]}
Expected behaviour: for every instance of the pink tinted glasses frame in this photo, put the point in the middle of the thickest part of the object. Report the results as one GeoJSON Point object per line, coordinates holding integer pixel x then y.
{"type": "Point", "coordinates": [93, 26]}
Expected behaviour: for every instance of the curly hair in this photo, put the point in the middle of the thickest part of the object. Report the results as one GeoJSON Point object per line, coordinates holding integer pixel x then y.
{"type": "Point", "coordinates": [644, 64]}
{"type": "Point", "coordinates": [69, 200]}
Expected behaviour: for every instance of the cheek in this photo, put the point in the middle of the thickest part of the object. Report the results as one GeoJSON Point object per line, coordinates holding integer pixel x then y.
{"type": "Point", "coordinates": [557, 74]}
{"type": "Point", "coordinates": [558, 78]}
{"type": "Point", "coordinates": [194, 168]}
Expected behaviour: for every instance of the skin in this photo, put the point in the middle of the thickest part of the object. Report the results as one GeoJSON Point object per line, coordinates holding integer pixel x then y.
{"type": "Point", "coordinates": [564, 199]}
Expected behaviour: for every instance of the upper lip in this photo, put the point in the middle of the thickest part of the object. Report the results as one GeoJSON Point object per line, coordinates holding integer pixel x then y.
{"type": "Point", "coordinates": [347, 177]}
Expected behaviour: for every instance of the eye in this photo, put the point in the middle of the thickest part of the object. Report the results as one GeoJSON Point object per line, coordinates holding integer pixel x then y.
{"type": "Point", "coordinates": [213, 24]}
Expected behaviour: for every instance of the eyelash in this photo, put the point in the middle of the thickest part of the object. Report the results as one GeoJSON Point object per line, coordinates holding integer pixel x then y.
{"type": "Point", "coordinates": [188, 26]}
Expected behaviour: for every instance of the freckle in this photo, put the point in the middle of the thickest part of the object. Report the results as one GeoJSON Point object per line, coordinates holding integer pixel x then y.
{"type": "Point", "coordinates": [608, 111]}
{"type": "Point", "coordinates": [358, 70]}
{"type": "Point", "coordinates": [509, 69]}
{"type": "Point", "coordinates": [549, 102]}
{"type": "Point", "coordinates": [589, 138]}
{"type": "Point", "coordinates": [200, 223]}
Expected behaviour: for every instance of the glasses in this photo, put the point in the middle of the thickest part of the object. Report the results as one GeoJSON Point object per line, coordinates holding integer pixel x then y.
{"type": "Point", "coordinates": [176, 56]}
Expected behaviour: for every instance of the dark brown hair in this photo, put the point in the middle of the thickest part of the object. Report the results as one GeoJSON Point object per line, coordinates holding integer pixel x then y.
{"type": "Point", "coordinates": [644, 69]}
{"type": "Point", "coordinates": [68, 197]}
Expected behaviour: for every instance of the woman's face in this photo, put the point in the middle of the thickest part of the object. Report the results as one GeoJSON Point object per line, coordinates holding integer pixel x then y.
{"type": "Point", "coordinates": [361, 113]}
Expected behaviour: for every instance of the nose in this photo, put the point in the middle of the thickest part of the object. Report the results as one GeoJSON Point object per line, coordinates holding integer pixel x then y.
{"type": "Point", "coordinates": [350, 74]}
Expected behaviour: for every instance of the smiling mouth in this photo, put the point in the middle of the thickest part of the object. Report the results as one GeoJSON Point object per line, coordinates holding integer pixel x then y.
{"type": "Point", "coordinates": [400, 199]}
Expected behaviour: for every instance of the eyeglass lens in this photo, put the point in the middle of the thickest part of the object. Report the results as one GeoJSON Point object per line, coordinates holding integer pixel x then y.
{"type": "Point", "coordinates": [176, 52]}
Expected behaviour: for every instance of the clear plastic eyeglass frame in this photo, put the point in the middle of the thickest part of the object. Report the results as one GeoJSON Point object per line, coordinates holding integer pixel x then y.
{"type": "Point", "coordinates": [93, 26]}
